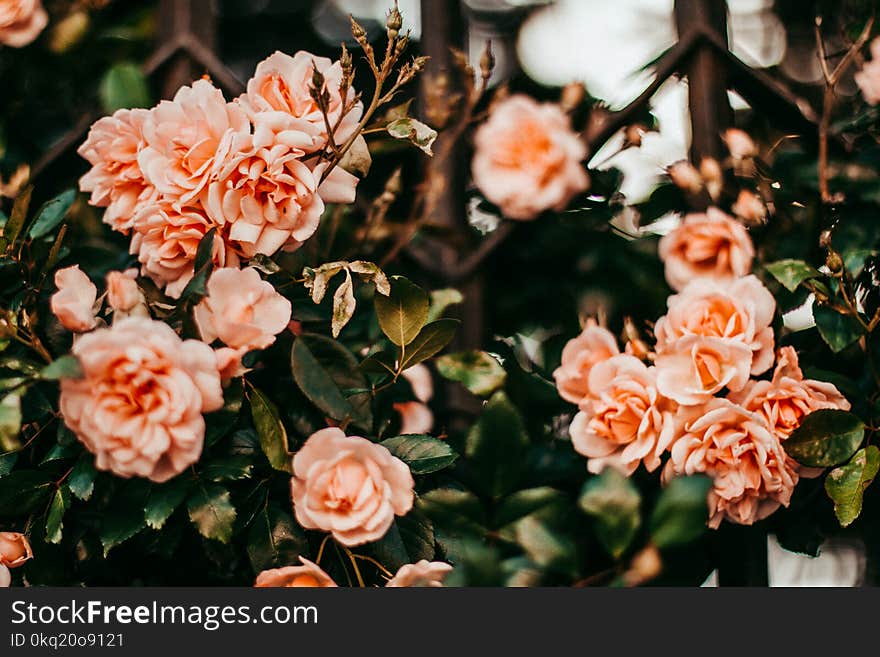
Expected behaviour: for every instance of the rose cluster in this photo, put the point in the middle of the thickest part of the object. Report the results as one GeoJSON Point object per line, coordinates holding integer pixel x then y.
{"type": "Point", "coordinates": [254, 168]}
{"type": "Point", "coordinates": [694, 402]}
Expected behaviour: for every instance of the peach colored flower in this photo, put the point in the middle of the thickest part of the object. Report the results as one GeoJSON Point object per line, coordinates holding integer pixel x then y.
{"type": "Point", "coordinates": [740, 311]}
{"type": "Point", "coordinates": [138, 407]}
{"type": "Point", "coordinates": [229, 363]}
{"type": "Point", "coordinates": [421, 573]}
{"type": "Point", "coordinates": [123, 293]}
{"type": "Point", "coordinates": [21, 21]}
{"type": "Point", "coordinates": [739, 144]}
{"type": "Point", "coordinates": [307, 575]}
{"type": "Point", "coordinates": [701, 366]}
{"type": "Point", "coordinates": [349, 486]}
{"type": "Point", "coordinates": [5, 577]}
{"type": "Point", "coordinates": [752, 476]}
{"type": "Point", "coordinates": [281, 84]}
{"type": "Point", "coordinates": [527, 158]}
{"type": "Point", "coordinates": [786, 400]}
{"type": "Point", "coordinates": [188, 138]}
{"type": "Point", "coordinates": [868, 78]}
{"type": "Point", "coordinates": [115, 180]}
{"type": "Point", "coordinates": [579, 356]}
{"type": "Point", "coordinates": [241, 309]}
{"type": "Point", "coordinates": [749, 208]}
{"type": "Point", "coordinates": [684, 175]}
{"type": "Point", "coordinates": [73, 303]}
{"type": "Point", "coordinates": [709, 245]}
{"type": "Point", "coordinates": [416, 416]}
{"type": "Point", "coordinates": [713, 176]}
{"type": "Point", "coordinates": [621, 425]}
{"type": "Point", "coordinates": [166, 239]}
{"type": "Point", "coordinates": [14, 549]}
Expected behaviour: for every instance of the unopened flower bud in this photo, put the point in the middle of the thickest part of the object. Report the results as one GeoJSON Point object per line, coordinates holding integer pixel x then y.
{"type": "Point", "coordinates": [750, 208]}
{"type": "Point", "coordinates": [685, 176]}
{"type": "Point", "coordinates": [572, 96]}
{"type": "Point", "coordinates": [834, 262]}
{"type": "Point", "coordinates": [487, 61]}
{"type": "Point", "coordinates": [712, 175]}
{"type": "Point", "coordinates": [739, 144]}
{"type": "Point", "coordinates": [358, 32]}
{"type": "Point", "coordinates": [394, 22]}
{"type": "Point", "coordinates": [14, 549]}
{"type": "Point", "coordinates": [645, 566]}
{"type": "Point", "coordinates": [633, 135]}
{"type": "Point", "coordinates": [825, 239]}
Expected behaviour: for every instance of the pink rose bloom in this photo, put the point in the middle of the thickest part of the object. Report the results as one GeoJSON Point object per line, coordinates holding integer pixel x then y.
{"type": "Point", "coordinates": [788, 398]}
{"type": "Point", "coordinates": [268, 198]}
{"type": "Point", "coordinates": [73, 304]}
{"type": "Point", "coordinates": [421, 573]}
{"type": "Point", "coordinates": [188, 138]}
{"type": "Point", "coordinates": [166, 240]}
{"type": "Point", "coordinates": [579, 356]}
{"type": "Point", "coordinates": [229, 363]}
{"type": "Point", "coordinates": [739, 144]}
{"type": "Point", "coordinates": [528, 159]}
{"type": "Point", "coordinates": [741, 311]}
{"type": "Point", "coordinates": [241, 309]}
{"type": "Point", "coordinates": [624, 423]}
{"type": "Point", "coordinates": [281, 84]}
{"type": "Point", "coordinates": [416, 416]}
{"type": "Point", "coordinates": [15, 549]}
{"type": "Point", "coordinates": [21, 21]}
{"type": "Point", "coordinates": [711, 245]}
{"type": "Point", "coordinates": [752, 476]}
{"type": "Point", "coordinates": [138, 407]}
{"type": "Point", "coordinates": [868, 78]}
{"type": "Point", "coordinates": [123, 293]}
{"type": "Point", "coordinates": [701, 366]}
{"type": "Point", "coordinates": [349, 486]}
{"type": "Point", "coordinates": [115, 179]}
{"type": "Point", "coordinates": [307, 575]}
{"type": "Point", "coordinates": [5, 577]}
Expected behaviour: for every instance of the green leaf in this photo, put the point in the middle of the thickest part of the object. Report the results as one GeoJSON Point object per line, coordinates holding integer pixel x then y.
{"type": "Point", "coordinates": [370, 271]}
{"type": "Point", "coordinates": [423, 454]}
{"type": "Point", "coordinates": [415, 131]}
{"type": "Point", "coordinates": [275, 540]}
{"type": "Point", "coordinates": [67, 367]}
{"type": "Point", "coordinates": [430, 340]}
{"type": "Point", "coordinates": [10, 423]}
{"type": "Point", "coordinates": [545, 544]}
{"type": "Point", "coordinates": [478, 371]}
{"type": "Point", "coordinates": [203, 265]}
{"type": "Point", "coordinates": [838, 331]}
{"type": "Point", "coordinates": [51, 214]}
{"type": "Point", "coordinates": [403, 313]}
{"type": "Point", "coordinates": [55, 519]}
{"type": "Point", "coordinates": [316, 280]}
{"type": "Point", "coordinates": [211, 511]}
{"type": "Point", "coordinates": [264, 264]}
{"type": "Point", "coordinates": [846, 485]}
{"type": "Point", "coordinates": [125, 517]}
{"type": "Point", "coordinates": [409, 539]}
{"type": "Point", "coordinates": [7, 462]}
{"type": "Point", "coordinates": [124, 86]}
{"type": "Point", "coordinates": [496, 446]}
{"type": "Point", "coordinates": [441, 300]}
{"type": "Point", "coordinates": [81, 481]}
{"type": "Point", "coordinates": [316, 383]}
{"type": "Point", "coordinates": [23, 491]}
{"type": "Point", "coordinates": [791, 273]}
{"type": "Point", "coordinates": [228, 468]}
{"type": "Point", "coordinates": [825, 438]}
{"type": "Point", "coordinates": [457, 511]}
{"type": "Point", "coordinates": [524, 502]}
{"type": "Point", "coordinates": [17, 219]}
{"type": "Point", "coordinates": [273, 436]}
{"type": "Point", "coordinates": [614, 502]}
{"type": "Point", "coordinates": [682, 511]}
{"type": "Point", "coordinates": [164, 500]}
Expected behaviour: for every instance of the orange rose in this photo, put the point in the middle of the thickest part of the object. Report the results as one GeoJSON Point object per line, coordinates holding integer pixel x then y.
{"type": "Point", "coordinates": [115, 179]}
{"type": "Point", "coordinates": [138, 406]}
{"type": "Point", "coordinates": [5, 577]}
{"type": "Point", "coordinates": [416, 416]}
{"type": "Point", "coordinates": [594, 345]}
{"type": "Point", "coordinates": [349, 486]}
{"type": "Point", "coordinates": [528, 159]}
{"type": "Point", "coordinates": [421, 573]}
{"type": "Point", "coordinates": [241, 309]}
{"type": "Point", "coordinates": [21, 21]}
{"type": "Point", "coordinates": [307, 575]}
{"type": "Point", "coordinates": [785, 401]}
{"type": "Point", "coordinates": [73, 304]}
{"type": "Point", "coordinates": [123, 293]}
{"type": "Point", "coordinates": [701, 366]}
{"type": "Point", "coordinates": [752, 476]}
{"type": "Point", "coordinates": [709, 245]}
{"type": "Point", "coordinates": [14, 549]}
{"type": "Point", "coordinates": [623, 424]}
{"type": "Point", "coordinates": [741, 311]}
